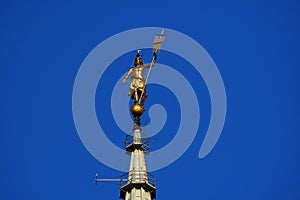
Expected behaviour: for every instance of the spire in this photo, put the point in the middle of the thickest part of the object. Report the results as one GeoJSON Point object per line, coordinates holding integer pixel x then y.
{"type": "Point", "coordinates": [139, 184]}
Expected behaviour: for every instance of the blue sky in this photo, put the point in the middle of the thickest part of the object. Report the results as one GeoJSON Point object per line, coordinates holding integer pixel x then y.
{"type": "Point", "coordinates": [255, 45]}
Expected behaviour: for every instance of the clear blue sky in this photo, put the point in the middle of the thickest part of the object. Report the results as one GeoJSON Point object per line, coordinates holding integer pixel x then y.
{"type": "Point", "coordinates": [255, 45]}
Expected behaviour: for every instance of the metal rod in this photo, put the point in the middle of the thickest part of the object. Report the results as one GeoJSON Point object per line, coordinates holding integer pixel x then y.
{"type": "Point", "coordinates": [109, 180]}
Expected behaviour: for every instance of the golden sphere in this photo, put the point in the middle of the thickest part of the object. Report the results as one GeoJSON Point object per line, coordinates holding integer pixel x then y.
{"type": "Point", "coordinates": [137, 110]}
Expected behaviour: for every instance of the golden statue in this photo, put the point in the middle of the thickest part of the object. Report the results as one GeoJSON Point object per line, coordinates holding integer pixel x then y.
{"type": "Point", "coordinates": [137, 89]}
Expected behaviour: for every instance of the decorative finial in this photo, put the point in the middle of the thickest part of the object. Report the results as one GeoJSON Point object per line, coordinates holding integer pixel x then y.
{"type": "Point", "coordinates": [137, 90]}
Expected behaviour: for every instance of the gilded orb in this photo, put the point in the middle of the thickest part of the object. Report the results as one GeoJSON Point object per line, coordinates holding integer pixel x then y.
{"type": "Point", "coordinates": [137, 110]}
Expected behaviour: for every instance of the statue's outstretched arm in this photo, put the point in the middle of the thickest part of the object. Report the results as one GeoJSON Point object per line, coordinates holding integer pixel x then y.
{"type": "Point", "coordinates": [127, 75]}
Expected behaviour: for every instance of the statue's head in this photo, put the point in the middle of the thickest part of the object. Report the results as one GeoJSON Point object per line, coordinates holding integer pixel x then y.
{"type": "Point", "coordinates": [138, 59]}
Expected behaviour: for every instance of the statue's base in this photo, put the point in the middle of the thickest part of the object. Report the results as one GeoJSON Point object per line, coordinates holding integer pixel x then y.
{"type": "Point", "coordinates": [137, 110]}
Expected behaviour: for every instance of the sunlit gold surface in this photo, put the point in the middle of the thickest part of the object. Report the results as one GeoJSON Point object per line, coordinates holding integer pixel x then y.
{"type": "Point", "coordinates": [137, 110]}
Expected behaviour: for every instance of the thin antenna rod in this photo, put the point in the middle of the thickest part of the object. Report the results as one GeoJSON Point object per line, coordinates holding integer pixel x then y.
{"type": "Point", "coordinates": [109, 180]}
